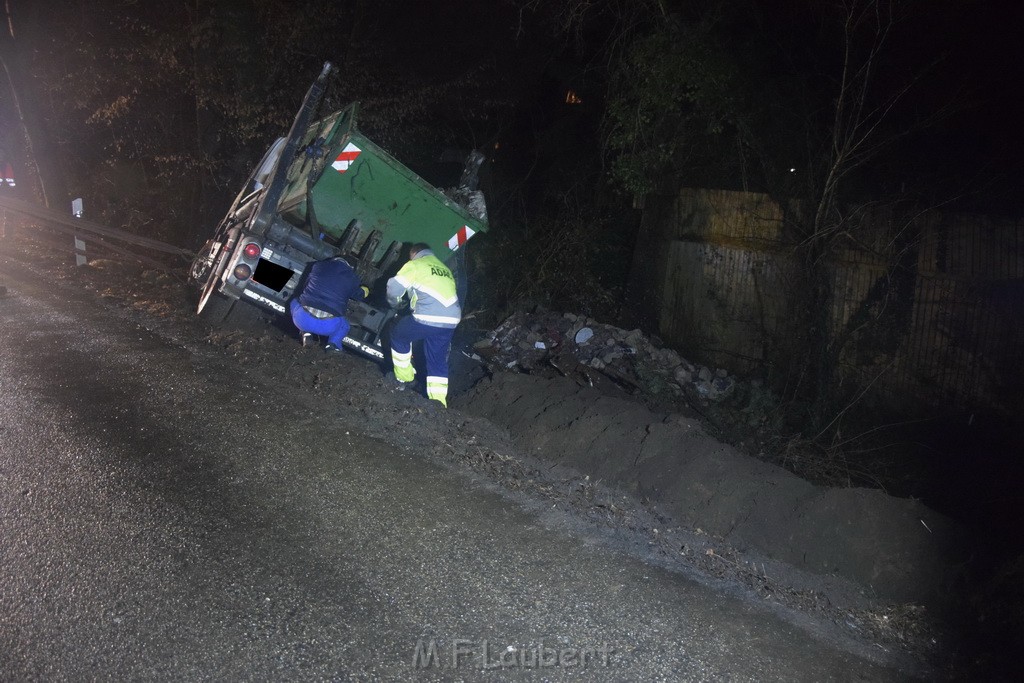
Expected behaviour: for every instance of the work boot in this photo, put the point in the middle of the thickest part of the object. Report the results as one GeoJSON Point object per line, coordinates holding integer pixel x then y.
{"type": "Point", "coordinates": [395, 383]}
{"type": "Point", "coordinates": [331, 348]}
{"type": "Point", "coordinates": [308, 339]}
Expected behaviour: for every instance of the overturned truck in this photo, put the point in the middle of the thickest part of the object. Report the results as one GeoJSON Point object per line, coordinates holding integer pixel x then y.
{"type": "Point", "coordinates": [326, 190]}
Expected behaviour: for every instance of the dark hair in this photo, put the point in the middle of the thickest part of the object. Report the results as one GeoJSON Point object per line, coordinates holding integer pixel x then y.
{"type": "Point", "coordinates": [417, 248]}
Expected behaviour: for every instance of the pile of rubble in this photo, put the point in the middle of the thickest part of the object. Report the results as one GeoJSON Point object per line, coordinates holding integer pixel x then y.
{"type": "Point", "coordinates": [580, 347]}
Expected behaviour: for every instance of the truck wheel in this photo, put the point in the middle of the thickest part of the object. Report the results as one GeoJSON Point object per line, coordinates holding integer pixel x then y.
{"type": "Point", "coordinates": [212, 282]}
{"type": "Point", "coordinates": [216, 308]}
{"type": "Point", "coordinates": [224, 311]}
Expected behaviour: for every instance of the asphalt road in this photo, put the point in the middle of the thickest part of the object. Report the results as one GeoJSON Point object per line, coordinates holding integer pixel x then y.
{"type": "Point", "coordinates": [168, 515]}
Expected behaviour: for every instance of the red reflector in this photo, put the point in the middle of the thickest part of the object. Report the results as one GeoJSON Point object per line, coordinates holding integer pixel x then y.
{"type": "Point", "coordinates": [252, 250]}
{"type": "Point", "coordinates": [242, 271]}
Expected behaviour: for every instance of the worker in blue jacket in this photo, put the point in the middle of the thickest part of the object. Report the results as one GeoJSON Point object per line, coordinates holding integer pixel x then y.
{"type": "Point", "coordinates": [319, 308]}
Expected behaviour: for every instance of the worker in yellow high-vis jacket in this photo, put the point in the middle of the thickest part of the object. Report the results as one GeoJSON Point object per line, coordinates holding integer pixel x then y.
{"type": "Point", "coordinates": [435, 308]}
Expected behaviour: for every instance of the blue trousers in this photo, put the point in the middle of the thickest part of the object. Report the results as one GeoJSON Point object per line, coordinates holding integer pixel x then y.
{"type": "Point", "coordinates": [437, 342]}
{"type": "Point", "coordinates": [334, 329]}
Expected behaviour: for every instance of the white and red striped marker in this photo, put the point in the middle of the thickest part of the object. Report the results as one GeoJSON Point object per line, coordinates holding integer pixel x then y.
{"type": "Point", "coordinates": [460, 237]}
{"type": "Point", "coordinates": [346, 158]}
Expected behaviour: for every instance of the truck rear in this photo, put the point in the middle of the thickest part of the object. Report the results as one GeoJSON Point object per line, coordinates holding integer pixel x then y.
{"type": "Point", "coordinates": [326, 190]}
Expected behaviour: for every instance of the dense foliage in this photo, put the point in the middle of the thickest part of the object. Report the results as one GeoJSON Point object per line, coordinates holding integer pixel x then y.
{"type": "Point", "coordinates": [158, 110]}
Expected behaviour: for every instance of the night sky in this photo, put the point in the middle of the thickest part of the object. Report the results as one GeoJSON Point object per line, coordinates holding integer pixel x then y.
{"type": "Point", "coordinates": [962, 57]}
{"type": "Point", "coordinates": [980, 146]}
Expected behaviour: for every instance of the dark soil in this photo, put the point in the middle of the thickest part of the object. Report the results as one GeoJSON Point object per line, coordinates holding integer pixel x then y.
{"type": "Point", "coordinates": [897, 549]}
{"type": "Point", "coordinates": [886, 571]}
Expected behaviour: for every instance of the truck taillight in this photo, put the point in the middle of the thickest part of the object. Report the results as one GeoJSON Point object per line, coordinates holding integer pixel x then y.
{"type": "Point", "coordinates": [242, 271]}
{"type": "Point", "coordinates": [252, 250]}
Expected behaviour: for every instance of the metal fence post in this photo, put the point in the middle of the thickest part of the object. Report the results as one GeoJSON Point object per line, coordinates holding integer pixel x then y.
{"type": "Point", "coordinates": [3, 236]}
{"type": "Point", "coordinates": [76, 211]}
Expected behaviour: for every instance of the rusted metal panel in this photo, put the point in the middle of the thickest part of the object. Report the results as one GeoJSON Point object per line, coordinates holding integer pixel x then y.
{"type": "Point", "coordinates": [717, 266]}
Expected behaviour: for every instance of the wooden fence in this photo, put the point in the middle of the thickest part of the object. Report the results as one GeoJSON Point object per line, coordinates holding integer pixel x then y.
{"type": "Point", "coordinates": [714, 274]}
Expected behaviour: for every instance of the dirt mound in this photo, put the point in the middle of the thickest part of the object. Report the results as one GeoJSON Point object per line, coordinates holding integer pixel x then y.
{"type": "Point", "coordinates": [896, 548]}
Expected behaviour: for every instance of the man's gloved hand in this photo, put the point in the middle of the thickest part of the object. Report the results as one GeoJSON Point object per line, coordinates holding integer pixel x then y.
{"type": "Point", "coordinates": [366, 291]}
{"type": "Point", "coordinates": [398, 305]}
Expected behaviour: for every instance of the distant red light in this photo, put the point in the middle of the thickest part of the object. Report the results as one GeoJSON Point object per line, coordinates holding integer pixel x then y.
{"type": "Point", "coordinates": [252, 250]}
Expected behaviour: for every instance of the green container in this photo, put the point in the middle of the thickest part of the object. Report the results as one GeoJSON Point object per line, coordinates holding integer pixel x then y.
{"type": "Point", "coordinates": [347, 177]}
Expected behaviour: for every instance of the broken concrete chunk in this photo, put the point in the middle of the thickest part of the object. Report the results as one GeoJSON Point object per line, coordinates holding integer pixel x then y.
{"type": "Point", "coordinates": [670, 358]}
{"type": "Point", "coordinates": [721, 387]}
{"type": "Point", "coordinates": [635, 338]}
{"type": "Point", "coordinates": [523, 342]}
{"type": "Point", "coordinates": [584, 335]}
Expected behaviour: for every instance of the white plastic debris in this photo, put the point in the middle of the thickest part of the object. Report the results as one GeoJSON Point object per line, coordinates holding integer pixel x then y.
{"type": "Point", "coordinates": [584, 335]}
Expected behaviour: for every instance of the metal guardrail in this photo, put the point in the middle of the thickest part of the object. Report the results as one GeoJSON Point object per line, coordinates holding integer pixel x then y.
{"type": "Point", "coordinates": [100, 235]}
